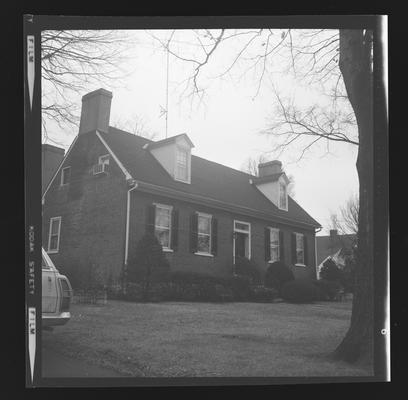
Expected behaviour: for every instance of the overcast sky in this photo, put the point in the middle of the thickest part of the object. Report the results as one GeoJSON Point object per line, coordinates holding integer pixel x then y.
{"type": "Point", "coordinates": [227, 127]}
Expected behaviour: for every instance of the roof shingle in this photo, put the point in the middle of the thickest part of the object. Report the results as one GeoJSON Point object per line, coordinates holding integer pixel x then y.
{"type": "Point", "coordinates": [208, 178]}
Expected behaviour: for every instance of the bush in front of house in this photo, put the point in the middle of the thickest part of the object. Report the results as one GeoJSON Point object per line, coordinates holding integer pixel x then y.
{"type": "Point", "coordinates": [262, 294]}
{"type": "Point", "coordinates": [277, 275]}
{"type": "Point", "coordinates": [241, 287]}
{"type": "Point", "coordinates": [299, 291]}
{"type": "Point", "coordinates": [327, 290]}
{"type": "Point", "coordinates": [330, 271]}
{"type": "Point", "coordinates": [192, 286]}
{"type": "Point", "coordinates": [147, 264]}
{"type": "Point", "coordinates": [246, 268]}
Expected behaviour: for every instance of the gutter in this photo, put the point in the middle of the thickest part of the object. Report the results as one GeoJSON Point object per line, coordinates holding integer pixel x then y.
{"type": "Point", "coordinates": [156, 189]}
{"type": "Point", "coordinates": [317, 272]}
{"type": "Point", "coordinates": [133, 185]}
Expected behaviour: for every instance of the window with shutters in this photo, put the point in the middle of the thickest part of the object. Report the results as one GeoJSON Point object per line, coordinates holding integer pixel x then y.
{"type": "Point", "coordinates": [300, 249]}
{"type": "Point", "coordinates": [204, 233]}
{"type": "Point", "coordinates": [104, 159]}
{"type": "Point", "coordinates": [274, 244]}
{"type": "Point", "coordinates": [54, 235]}
{"type": "Point", "coordinates": [162, 225]}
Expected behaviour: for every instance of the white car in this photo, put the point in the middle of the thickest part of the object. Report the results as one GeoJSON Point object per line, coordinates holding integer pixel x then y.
{"type": "Point", "coordinates": [56, 294]}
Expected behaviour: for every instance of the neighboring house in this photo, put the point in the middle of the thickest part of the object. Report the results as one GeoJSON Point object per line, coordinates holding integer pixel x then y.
{"type": "Point", "coordinates": [334, 246]}
{"type": "Point", "coordinates": [51, 157]}
{"type": "Point", "coordinates": [113, 186]}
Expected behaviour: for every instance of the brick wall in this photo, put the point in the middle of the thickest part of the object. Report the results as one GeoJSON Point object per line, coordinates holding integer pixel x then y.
{"type": "Point", "coordinates": [92, 208]}
{"type": "Point", "coordinates": [221, 264]}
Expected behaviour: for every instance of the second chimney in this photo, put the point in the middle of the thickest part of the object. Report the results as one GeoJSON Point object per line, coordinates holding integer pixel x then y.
{"type": "Point", "coordinates": [270, 168]}
{"type": "Point", "coordinates": [95, 111]}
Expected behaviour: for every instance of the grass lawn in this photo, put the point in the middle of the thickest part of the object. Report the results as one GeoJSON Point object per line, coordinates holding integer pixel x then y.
{"type": "Point", "coordinates": [176, 339]}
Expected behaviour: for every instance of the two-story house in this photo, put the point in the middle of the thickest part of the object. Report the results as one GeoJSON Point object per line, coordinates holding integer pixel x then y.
{"type": "Point", "coordinates": [113, 186]}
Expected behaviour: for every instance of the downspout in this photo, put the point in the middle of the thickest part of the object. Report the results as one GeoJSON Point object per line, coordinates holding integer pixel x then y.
{"type": "Point", "coordinates": [317, 272]}
{"type": "Point", "coordinates": [133, 185]}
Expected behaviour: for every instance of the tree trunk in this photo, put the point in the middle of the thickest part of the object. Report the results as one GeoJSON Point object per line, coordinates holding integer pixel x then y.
{"type": "Point", "coordinates": [356, 68]}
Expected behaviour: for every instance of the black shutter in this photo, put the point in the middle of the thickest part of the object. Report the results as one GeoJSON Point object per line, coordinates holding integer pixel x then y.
{"type": "Point", "coordinates": [305, 251]}
{"type": "Point", "coordinates": [267, 244]}
{"type": "Point", "coordinates": [193, 232]}
{"type": "Point", "coordinates": [214, 236]}
{"type": "Point", "coordinates": [174, 229]}
{"type": "Point", "coordinates": [150, 218]}
{"type": "Point", "coordinates": [281, 246]}
{"type": "Point", "coordinates": [293, 246]}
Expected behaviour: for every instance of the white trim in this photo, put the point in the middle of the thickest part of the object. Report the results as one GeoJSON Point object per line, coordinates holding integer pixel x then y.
{"type": "Point", "coordinates": [127, 222]}
{"type": "Point", "coordinates": [170, 209]}
{"type": "Point", "coordinates": [199, 253]}
{"type": "Point", "coordinates": [248, 232]}
{"type": "Point", "coordinates": [277, 230]}
{"type": "Point", "coordinates": [124, 170]}
{"type": "Point", "coordinates": [59, 167]}
{"type": "Point", "coordinates": [286, 193]}
{"type": "Point", "coordinates": [303, 248]}
{"type": "Point", "coordinates": [62, 175]}
{"type": "Point", "coordinates": [204, 215]}
{"type": "Point", "coordinates": [49, 235]}
{"type": "Point", "coordinates": [188, 162]}
{"type": "Point", "coordinates": [167, 250]}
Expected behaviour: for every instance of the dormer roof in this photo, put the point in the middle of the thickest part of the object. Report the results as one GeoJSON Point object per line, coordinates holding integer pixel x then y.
{"type": "Point", "coordinates": [163, 142]}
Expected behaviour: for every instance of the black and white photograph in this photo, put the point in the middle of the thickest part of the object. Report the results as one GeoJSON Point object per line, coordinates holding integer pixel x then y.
{"type": "Point", "coordinates": [208, 200]}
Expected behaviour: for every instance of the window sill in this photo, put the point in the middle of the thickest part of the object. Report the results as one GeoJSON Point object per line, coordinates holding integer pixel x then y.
{"type": "Point", "coordinates": [300, 265]}
{"type": "Point", "coordinates": [272, 261]}
{"type": "Point", "coordinates": [204, 254]}
{"type": "Point", "coordinates": [52, 251]}
{"type": "Point", "coordinates": [168, 250]}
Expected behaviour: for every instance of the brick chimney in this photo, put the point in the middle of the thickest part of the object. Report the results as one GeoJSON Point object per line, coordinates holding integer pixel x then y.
{"type": "Point", "coordinates": [333, 233]}
{"type": "Point", "coordinates": [95, 111]}
{"type": "Point", "coordinates": [270, 168]}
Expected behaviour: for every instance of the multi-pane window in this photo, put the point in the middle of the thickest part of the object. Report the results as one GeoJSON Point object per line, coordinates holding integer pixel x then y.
{"type": "Point", "coordinates": [104, 159]}
{"type": "Point", "coordinates": [182, 164]}
{"type": "Point", "coordinates": [162, 225]}
{"type": "Point", "coordinates": [283, 196]}
{"type": "Point", "coordinates": [204, 233]}
{"type": "Point", "coordinates": [65, 175]}
{"type": "Point", "coordinates": [54, 234]}
{"type": "Point", "coordinates": [300, 249]}
{"type": "Point", "coordinates": [274, 244]}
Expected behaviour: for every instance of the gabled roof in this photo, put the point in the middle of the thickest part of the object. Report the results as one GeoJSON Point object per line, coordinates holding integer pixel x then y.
{"type": "Point", "coordinates": [330, 245]}
{"type": "Point", "coordinates": [208, 179]}
{"type": "Point", "coordinates": [171, 139]}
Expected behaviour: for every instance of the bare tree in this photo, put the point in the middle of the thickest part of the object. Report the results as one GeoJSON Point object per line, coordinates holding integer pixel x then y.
{"type": "Point", "coordinates": [71, 62]}
{"type": "Point", "coordinates": [136, 125]}
{"type": "Point", "coordinates": [340, 63]}
{"type": "Point", "coordinates": [347, 221]}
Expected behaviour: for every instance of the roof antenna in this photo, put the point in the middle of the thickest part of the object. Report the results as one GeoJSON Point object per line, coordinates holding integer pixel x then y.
{"type": "Point", "coordinates": [165, 111]}
{"type": "Point", "coordinates": [167, 86]}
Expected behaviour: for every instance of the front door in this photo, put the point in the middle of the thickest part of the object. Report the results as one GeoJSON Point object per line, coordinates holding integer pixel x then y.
{"type": "Point", "coordinates": [240, 244]}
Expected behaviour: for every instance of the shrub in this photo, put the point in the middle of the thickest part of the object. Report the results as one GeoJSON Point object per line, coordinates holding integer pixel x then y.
{"type": "Point", "coordinates": [277, 275]}
{"type": "Point", "coordinates": [262, 294]}
{"type": "Point", "coordinates": [147, 264]}
{"type": "Point", "coordinates": [240, 286]}
{"type": "Point", "coordinates": [247, 268]}
{"type": "Point", "coordinates": [327, 290]}
{"type": "Point", "coordinates": [299, 291]}
{"type": "Point", "coordinates": [330, 271]}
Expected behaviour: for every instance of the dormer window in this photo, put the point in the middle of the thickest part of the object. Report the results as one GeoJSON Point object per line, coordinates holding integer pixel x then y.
{"type": "Point", "coordinates": [182, 158]}
{"type": "Point", "coordinates": [283, 196]}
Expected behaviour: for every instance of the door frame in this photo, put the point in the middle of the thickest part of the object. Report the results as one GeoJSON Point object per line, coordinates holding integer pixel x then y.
{"type": "Point", "coordinates": [247, 232]}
